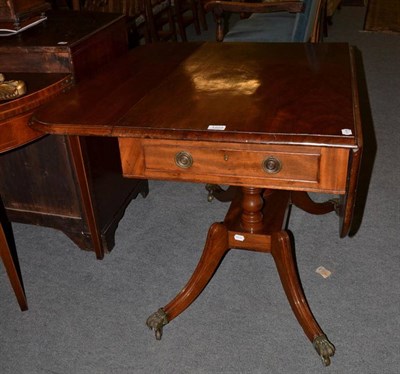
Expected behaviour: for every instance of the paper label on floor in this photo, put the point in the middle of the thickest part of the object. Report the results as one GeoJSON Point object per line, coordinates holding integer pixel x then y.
{"type": "Point", "coordinates": [323, 272]}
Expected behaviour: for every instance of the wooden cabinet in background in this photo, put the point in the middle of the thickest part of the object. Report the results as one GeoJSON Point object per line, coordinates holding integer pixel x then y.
{"type": "Point", "coordinates": [72, 184]}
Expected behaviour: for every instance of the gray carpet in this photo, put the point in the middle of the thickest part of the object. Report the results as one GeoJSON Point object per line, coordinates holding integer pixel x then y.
{"type": "Point", "coordinates": [88, 316]}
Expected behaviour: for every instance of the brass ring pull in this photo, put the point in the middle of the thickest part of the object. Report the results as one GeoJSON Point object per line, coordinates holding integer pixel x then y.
{"type": "Point", "coordinates": [184, 160]}
{"type": "Point", "coordinates": [272, 165]}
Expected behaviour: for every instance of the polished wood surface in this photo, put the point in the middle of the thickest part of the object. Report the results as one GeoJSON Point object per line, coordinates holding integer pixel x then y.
{"type": "Point", "coordinates": [280, 95]}
{"type": "Point", "coordinates": [276, 120]}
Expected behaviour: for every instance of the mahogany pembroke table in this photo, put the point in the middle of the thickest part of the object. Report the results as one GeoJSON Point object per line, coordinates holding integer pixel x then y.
{"type": "Point", "coordinates": [273, 121]}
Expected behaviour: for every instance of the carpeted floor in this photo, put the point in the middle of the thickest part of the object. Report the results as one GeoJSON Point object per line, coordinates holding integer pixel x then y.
{"type": "Point", "coordinates": [88, 317]}
{"type": "Point", "coordinates": [383, 16]}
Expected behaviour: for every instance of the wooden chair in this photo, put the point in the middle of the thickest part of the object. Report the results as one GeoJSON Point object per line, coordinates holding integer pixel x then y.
{"type": "Point", "coordinates": [270, 21]}
{"type": "Point", "coordinates": [160, 20]}
{"type": "Point", "coordinates": [186, 13]}
{"type": "Point", "coordinates": [189, 12]}
{"type": "Point", "coordinates": [202, 14]}
{"type": "Point", "coordinates": [151, 20]}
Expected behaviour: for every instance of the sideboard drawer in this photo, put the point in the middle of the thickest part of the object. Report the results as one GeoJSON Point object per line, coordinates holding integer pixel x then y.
{"type": "Point", "coordinates": [272, 166]}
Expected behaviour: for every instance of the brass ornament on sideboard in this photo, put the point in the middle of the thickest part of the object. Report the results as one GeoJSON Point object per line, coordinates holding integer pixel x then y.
{"type": "Point", "coordinates": [11, 89]}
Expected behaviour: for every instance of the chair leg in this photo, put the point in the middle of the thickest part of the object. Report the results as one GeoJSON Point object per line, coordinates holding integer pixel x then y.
{"type": "Point", "coordinates": [171, 23]}
{"type": "Point", "coordinates": [195, 12]}
{"type": "Point", "coordinates": [202, 15]}
{"type": "Point", "coordinates": [181, 25]}
{"type": "Point", "coordinates": [178, 11]}
{"type": "Point", "coordinates": [182, 9]}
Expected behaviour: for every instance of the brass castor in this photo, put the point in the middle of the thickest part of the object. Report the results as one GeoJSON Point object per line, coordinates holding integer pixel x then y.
{"type": "Point", "coordinates": [157, 321]}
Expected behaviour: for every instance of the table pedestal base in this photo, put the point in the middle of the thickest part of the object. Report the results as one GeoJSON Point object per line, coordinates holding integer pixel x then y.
{"type": "Point", "coordinates": [256, 221]}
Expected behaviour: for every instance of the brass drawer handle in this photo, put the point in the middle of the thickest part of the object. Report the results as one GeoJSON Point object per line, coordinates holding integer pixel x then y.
{"type": "Point", "coordinates": [184, 160]}
{"type": "Point", "coordinates": [272, 165]}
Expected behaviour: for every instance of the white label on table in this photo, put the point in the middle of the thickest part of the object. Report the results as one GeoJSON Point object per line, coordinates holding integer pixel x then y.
{"type": "Point", "coordinates": [239, 238]}
{"type": "Point", "coordinates": [216, 127]}
{"type": "Point", "coordinates": [346, 132]}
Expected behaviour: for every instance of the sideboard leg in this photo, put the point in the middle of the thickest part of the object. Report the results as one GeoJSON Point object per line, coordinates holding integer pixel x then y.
{"type": "Point", "coordinates": [282, 252]}
{"type": "Point", "coordinates": [12, 268]}
{"type": "Point", "coordinates": [215, 248]}
{"type": "Point", "coordinates": [85, 191]}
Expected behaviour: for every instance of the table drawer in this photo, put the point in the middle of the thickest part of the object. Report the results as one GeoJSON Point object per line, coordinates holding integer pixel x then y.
{"type": "Point", "coordinates": [273, 166]}
{"type": "Point", "coordinates": [232, 162]}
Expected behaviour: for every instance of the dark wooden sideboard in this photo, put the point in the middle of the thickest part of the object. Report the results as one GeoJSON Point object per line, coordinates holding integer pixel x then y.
{"type": "Point", "coordinates": [71, 184]}
{"type": "Point", "coordinates": [15, 133]}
